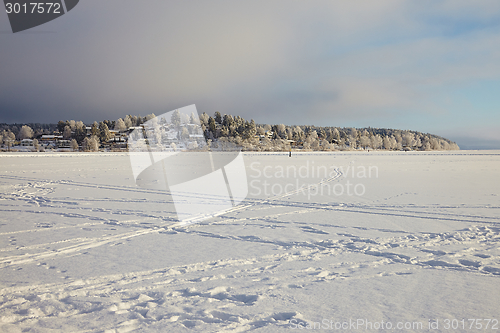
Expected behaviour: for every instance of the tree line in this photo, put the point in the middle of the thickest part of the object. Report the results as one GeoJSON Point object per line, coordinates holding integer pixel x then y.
{"type": "Point", "coordinates": [282, 137]}
{"type": "Point", "coordinates": [220, 130]}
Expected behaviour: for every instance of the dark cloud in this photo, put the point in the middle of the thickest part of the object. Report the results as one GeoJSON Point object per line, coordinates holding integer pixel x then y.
{"type": "Point", "coordinates": [322, 62]}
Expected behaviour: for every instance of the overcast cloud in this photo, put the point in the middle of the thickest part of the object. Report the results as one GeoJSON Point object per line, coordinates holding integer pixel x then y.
{"type": "Point", "coordinates": [431, 66]}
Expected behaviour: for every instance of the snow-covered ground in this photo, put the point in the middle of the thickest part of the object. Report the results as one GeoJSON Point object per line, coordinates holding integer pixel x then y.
{"type": "Point", "coordinates": [413, 240]}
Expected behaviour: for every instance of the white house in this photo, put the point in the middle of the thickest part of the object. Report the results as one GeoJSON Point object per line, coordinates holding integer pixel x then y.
{"type": "Point", "coordinates": [27, 143]}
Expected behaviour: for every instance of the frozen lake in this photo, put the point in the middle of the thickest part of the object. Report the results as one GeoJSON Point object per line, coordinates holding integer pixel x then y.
{"type": "Point", "coordinates": [323, 239]}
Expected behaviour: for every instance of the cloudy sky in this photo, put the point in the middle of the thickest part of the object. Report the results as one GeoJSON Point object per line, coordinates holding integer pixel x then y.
{"type": "Point", "coordinates": [431, 66]}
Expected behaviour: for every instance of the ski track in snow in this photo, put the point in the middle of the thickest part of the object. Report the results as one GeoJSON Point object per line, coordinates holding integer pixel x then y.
{"type": "Point", "coordinates": [222, 294]}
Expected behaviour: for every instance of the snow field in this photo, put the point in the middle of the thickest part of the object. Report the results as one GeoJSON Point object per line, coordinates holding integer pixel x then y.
{"type": "Point", "coordinates": [84, 249]}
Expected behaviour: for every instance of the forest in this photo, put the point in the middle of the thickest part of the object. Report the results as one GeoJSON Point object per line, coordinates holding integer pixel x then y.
{"type": "Point", "coordinates": [225, 129]}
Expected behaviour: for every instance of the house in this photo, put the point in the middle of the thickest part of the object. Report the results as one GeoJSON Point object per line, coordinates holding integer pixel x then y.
{"type": "Point", "coordinates": [63, 144]}
{"type": "Point", "coordinates": [51, 138]}
{"type": "Point", "coordinates": [27, 143]}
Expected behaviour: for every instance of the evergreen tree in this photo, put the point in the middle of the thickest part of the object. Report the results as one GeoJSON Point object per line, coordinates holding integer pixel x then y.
{"type": "Point", "coordinates": [193, 119]}
{"type": "Point", "coordinates": [176, 119]}
{"type": "Point", "coordinates": [95, 129]}
{"type": "Point", "coordinates": [60, 126]}
{"type": "Point", "coordinates": [104, 134]}
{"type": "Point", "coordinates": [217, 117]}
{"type": "Point", "coordinates": [212, 127]}
{"type": "Point", "coordinates": [228, 121]}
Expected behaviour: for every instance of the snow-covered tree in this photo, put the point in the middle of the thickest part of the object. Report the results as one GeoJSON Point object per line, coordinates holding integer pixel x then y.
{"type": "Point", "coordinates": [218, 117]}
{"type": "Point", "coordinates": [74, 145]}
{"type": "Point", "coordinates": [388, 143]}
{"type": "Point", "coordinates": [25, 133]}
{"type": "Point", "coordinates": [352, 142]}
{"type": "Point", "coordinates": [184, 118]}
{"type": "Point", "coordinates": [67, 132]}
{"type": "Point", "coordinates": [250, 130]}
{"type": "Point", "coordinates": [175, 119]}
{"type": "Point", "coordinates": [434, 143]}
{"type": "Point", "coordinates": [184, 134]}
{"type": "Point", "coordinates": [408, 139]}
{"type": "Point", "coordinates": [335, 137]}
{"type": "Point", "coordinates": [8, 138]}
{"type": "Point", "coordinates": [150, 116]}
{"type": "Point", "coordinates": [281, 131]}
{"type": "Point", "coordinates": [91, 144]}
{"type": "Point", "coordinates": [104, 134]}
{"type": "Point", "coordinates": [60, 125]}
{"type": "Point", "coordinates": [193, 119]}
{"type": "Point", "coordinates": [298, 133]}
{"type": "Point", "coordinates": [120, 125]}
{"type": "Point", "coordinates": [426, 145]}
{"type": "Point", "coordinates": [364, 141]}
{"type": "Point", "coordinates": [399, 139]}
{"type": "Point", "coordinates": [95, 129]}
{"type": "Point", "coordinates": [376, 141]}
{"type": "Point", "coordinates": [128, 121]}
{"type": "Point", "coordinates": [80, 131]}
{"type": "Point", "coordinates": [353, 133]}
{"type": "Point", "coordinates": [204, 119]}
{"type": "Point", "coordinates": [212, 126]}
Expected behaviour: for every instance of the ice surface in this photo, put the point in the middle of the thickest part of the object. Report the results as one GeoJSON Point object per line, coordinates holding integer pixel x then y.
{"type": "Point", "coordinates": [83, 248]}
